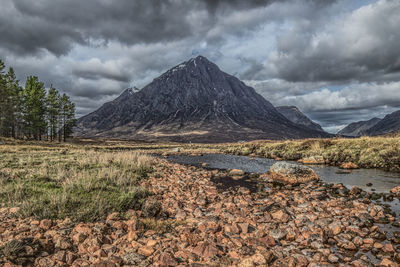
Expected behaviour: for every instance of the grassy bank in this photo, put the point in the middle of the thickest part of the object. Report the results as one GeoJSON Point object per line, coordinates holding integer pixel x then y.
{"type": "Point", "coordinates": [366, 152]}
{"type": "Point", "coordinates": [56, 182]}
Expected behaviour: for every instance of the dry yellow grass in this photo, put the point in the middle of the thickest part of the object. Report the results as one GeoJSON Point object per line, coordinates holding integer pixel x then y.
{"type": "Point", "coordinates": [68, 181]}
{"type": "Point", "coordinates": [368, 152]}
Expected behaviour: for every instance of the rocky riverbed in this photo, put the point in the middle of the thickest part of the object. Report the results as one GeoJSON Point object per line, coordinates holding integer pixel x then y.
{"type": "Point", "coordinates": [196, 218]}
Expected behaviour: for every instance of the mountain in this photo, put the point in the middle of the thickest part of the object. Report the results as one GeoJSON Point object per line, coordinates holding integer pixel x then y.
{"type": "Point", "coordinates": [359, 128]}
{"type": "Point", "coordinates": [293, 114]}
{"type": "Point", "coordinates": [194, 101]}
{"type": "Point", "coordinates": [389, 124]}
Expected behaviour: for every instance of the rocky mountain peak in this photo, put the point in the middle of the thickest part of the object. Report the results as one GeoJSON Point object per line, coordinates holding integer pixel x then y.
{"type": "Point", "coordinates": [193, 101]}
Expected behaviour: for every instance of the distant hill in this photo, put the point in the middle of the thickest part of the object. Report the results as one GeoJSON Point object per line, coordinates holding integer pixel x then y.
{"type": "Point", "coordinates": [293, 114]}
{"type": "Point", "coordinates": [359, 128]}
{"type": "Point", "coordinates": [194, 101]}
{"type": "Point", "coordinates": [389, 124]}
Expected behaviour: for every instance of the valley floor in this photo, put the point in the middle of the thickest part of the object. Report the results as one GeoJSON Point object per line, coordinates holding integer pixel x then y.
{"type": "Point", "coordinates": [97, 205]}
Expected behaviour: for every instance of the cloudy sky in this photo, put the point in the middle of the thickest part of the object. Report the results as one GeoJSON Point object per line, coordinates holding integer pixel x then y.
{"type": "Point", "coordinates": [338, 61]}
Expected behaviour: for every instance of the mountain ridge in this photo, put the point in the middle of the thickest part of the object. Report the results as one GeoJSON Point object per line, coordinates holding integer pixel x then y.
{"type": "Point", "coordinates": [359, 128]}
{"type": "Point", "coordinates": [294, 114]}
{"type": "Point", "coordinates": [389, 124]}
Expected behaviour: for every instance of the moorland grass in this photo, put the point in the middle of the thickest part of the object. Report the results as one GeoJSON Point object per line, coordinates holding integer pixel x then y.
{"type": "Point", "coordinates": [367, 152]}
{"type": "Point", "coordinates": [56, 182]}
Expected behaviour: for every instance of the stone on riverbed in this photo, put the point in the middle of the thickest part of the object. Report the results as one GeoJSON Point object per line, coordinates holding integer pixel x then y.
{"type": "Point", "coordinates": [236, 172]}
{"type": "Point", "coordinates": [292, 173]}
{"type": "Point", "coordinates": [313, 160]}
{"type": "Point", "coordinates": [395, 190]}
{"type": "Point", "coordinates": [176, 149]}
{"type": "Point", "coordinates": [349, 166]}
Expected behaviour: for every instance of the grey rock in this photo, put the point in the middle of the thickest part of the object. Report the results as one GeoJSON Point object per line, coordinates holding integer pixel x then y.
{"type": "Point", "coordinates": [292, 173]}
{"type": "Point", "coordinates": [278, 233]}
{"type": "Point", "coordinates": [151, 208]}
{"type": "Point", "coordinates": [133, 258]}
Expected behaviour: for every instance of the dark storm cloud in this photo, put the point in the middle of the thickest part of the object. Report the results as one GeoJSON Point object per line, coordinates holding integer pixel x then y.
{"type": "Point", "coordinates": [57, 25]}
{"type": "Point", "coordinates": [213, 5]}
{"type": "Point", "coordinates": [30, 26]}
{"type": "Point", "coordinates": [360, 46]}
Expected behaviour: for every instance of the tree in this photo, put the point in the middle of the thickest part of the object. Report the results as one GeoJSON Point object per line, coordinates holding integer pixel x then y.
{"type": "Point", "coordinates": [35, 107]}
{"type": "Point", "coordinates": [15, 104]}
{"type": "Point", "coordinates": [53, 112]}
{"type": "Point", "coordinates": [30, 111]}
{"type": "Point", "coordinates": [67, 113]}
{"type": "Point", "coordinates": [3, 99]}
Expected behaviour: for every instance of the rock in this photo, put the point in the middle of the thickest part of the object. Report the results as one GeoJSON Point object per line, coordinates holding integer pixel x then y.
{"type": "Point", "coordinates": [133, 259]}
{"type": "Point", "coordinates": [45, 224]}
{"type": "Point", "coordinates": [313, 160]}
{"type": "Point", "coordinates": [206, 250]}
{"type": "Point", "coordinates": [332, 258]}
{"type": "Point", "coordinates": [388, 263]}
{"type": "Point", "coordinates": [151, 208]}
{"type": "Point", "coordinates": [244, 227]}
{"type": "Point", "coordinates": [70, 257]}
{"type": "Point", "coordinates": [255, 260]}
{"type": "Point", "coordinates": [79, 238]}
{"type": "Point", "coordinates": [132, 236]}
{"type": "Point", "coordinates": [61, 256]}
{"type": "Point", "coordinates": [236, 172]}
{"type": "Point", "coordinates": [180, 215]}
{"type": "Point", "coordinates": [280, 216]}
{"type": "Point", "coordinates": [277, 234]}
{"type": "Point", "coordinates": [355, 190]}
{"type": "Point", "coordinates": [166, 259]}
{"type": "Point", "coordinates": [151, 243]}
{"type": "Point", "coordinates": [388, 248]}
{"type": "Point", "coordinates": [113, 217]}
{"type": "Point", "coordinates": [349, 166]}
{"type": "Point", "coordinates": [395, 190]}
{"type": "Point", "coordinates": [176, 149]}
{"type": "Point", "coordinates": [14, 210]}
{"type": "Point", "coordinates": [336, 228]}
{"type": "Point", "coordinates": [292, 173]}
{"type": "Point", "coordinates": [146, 251]}
{"type": "Point", "coordinates": [369, 184]}
{"type": "Point", "coordinates": [100, 253]}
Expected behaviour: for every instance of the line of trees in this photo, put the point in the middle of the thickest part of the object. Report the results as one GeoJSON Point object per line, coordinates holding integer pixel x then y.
{"type": "Point", "coordinates": [32, 112]}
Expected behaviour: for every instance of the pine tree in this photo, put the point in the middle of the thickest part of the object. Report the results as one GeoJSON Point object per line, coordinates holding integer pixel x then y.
{"type": "Point", "coordinates": [30, 112]}
{"type": "Point", "coordinates": [53, 112]}
{"type": "Point", "coordinates": [67, 113]}
{"type": "Point", "coordinates": [34, 107]}
{"type": "Point", "coordinates": [14, 112]}
{"type": "Point", "coordinates": [3, 99]}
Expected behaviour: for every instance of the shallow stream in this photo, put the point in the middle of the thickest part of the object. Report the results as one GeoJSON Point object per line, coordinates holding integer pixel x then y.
{"type": "Point", "coordinates": [381, 181]}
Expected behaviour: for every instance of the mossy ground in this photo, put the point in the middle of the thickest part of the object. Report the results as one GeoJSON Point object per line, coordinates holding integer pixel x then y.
{"type": "Point", "coordinates": [366, 152]}
{"type": "Point", "coordinates": [56, 182]}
